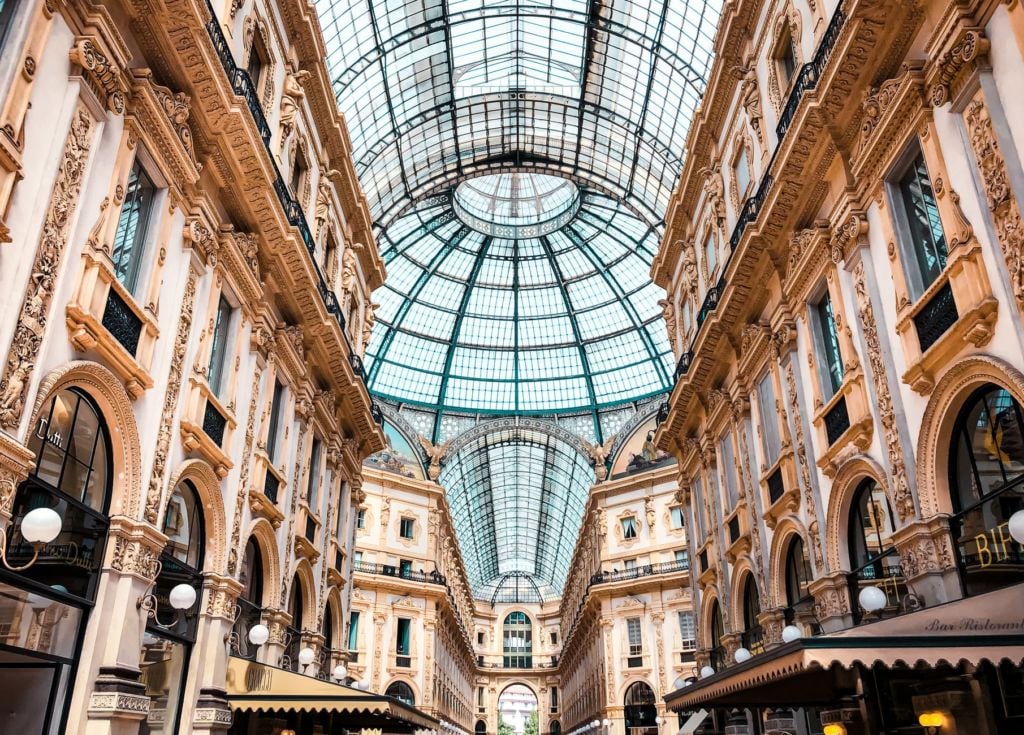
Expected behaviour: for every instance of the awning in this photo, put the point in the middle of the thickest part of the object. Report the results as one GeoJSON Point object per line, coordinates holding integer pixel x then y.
{"type": "Point", "coordinates": [812, 671]}
{"type": "Point", "coordinates": [256, 687]}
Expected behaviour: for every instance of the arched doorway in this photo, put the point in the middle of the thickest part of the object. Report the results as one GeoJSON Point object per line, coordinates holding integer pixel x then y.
{"type": "Point", "coordinates": [641, 712]}
{"type": "Point", "coordinates": [873, 556]}
{"type": "Point", "coordinates": [986, 483]}
{"type": "Point", "coordinates": [44, 608]}
{"type": "Point", "coordinates": [517, 711]}
{"type": "Point", "coordinates": [480, 728]}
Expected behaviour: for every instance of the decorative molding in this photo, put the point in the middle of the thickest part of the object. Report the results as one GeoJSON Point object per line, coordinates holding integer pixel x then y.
{"type": "Point", "coordinates": [33, 317]}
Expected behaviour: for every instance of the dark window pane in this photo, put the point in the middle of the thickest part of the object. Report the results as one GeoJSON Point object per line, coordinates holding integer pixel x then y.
{"type": "Point", "coordinates": [922, 214]}
{"type": "Point", "coordinates": [130, 239]}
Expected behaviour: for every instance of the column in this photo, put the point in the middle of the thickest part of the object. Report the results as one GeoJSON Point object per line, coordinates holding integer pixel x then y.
{"type": "Point", "coordinates": [205, 700]}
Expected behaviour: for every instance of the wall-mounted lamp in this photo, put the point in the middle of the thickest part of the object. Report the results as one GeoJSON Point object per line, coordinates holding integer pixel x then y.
{"type": "Point", "coordinates": [791, 633]}
{"type": "Point", "coordinates": [306, 656]}
{"type": "Point", "coordinates": [742, 655]}
{"type": "Point", "coordinates": [834, 728]}
{"type": "Point", "coordinates": [182, 597]}
{"type": "Point", "coordinates": [872, 599]}
{"type": "Point", "coordinates": [706, 671]}
{"type": "Point", "coordinates": [39, 527]}
{"type": "Point", "coordinates": [1016, 526]}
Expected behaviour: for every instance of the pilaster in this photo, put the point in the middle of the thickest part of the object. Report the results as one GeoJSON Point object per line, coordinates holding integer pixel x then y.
{"type": "Point", "coordinates": [927, 560]}
{"type": "Point", "coordinates": [832, 602]}
{"type": "Point", "coordinates": [202, 702]}
{"type": "Point", "coordinates": [15, 463]}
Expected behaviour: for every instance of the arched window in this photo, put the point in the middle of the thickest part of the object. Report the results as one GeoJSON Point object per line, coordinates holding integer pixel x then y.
{"type": "Point", "coordinates": [517, 641]}
{"type": "Point", "coordinates": [290, 658]}
{"type": "Point", "coordinates": [717, 632]}
{"type": "Point", "coordinates": [641, 712]}
{"type": "Point", "coordinates": [799, 602]}
{"type": "Point", "coordinates": [73, 476]}
{"type": "Point", "coordinates": [753, 637]}
{"type": "Point", "coordinates": [252, 574]}
{"type": "Point", "coordinates": [873, 557]}
{"type": "Point", "coordinates": [170, 636]}
{"type": "Point", "coordinates": [72, 449]}
{"type": "Point", "coordinates": [986, 477]}
{"type": "Point", "coordinates": [401, 691]}
{"type": "Point", "coordinates": [555, 728]}
{"type": "Point", "coordinates": [480, 728]}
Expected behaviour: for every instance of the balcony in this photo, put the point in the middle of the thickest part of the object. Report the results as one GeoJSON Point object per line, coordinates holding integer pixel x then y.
{"type": "Point", "coordinates": [265, 495]}
{"type": "Point", "coordinates": [644, 570]}
{"type": "Point", "coordinates": [388, 570]}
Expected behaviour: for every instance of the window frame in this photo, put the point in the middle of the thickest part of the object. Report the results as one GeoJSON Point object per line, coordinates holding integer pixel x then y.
{"type": "Point", "coordinates": [631, 531]}
{"type": "Point", "coordinates": [128, 270]}
{"type": "Point", "coordinates": [220, 344]}
{"type": "Point", "coordinates": [402, 521]}
{"type": "Point", "coordinates": [823, 315]}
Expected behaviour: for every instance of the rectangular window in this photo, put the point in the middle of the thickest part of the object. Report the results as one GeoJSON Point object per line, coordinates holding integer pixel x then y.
{"type": "Point", "coordinates": [132, 227]}
{"type": "Point", "coordinates": [830, 364]}
{"type": "Point", "coordinates": [255, 65]}
{"type": "Point", "coordinates": [554, 638]}
{"type": "Point", "coordinates": [554, 699]}
{"type": "Point", "coordinates": [630, 564]}
{"type": "Point", "coordinates": [353, 630]}
{"type": "Point", "coordinates": [687, 631]}
{"type": "Point", "coordinates": [629, 527]}
{"type": "Point", "coordinates": [683, 558]}
{"type": "Point", "coordinates": [480, 638]}
{"type": "Point", "coordinates": [405, 528]}
{"type": "Point", "coordinates": [678, 519]}
{"type": "Point", "coordinates": [219, 350]}
{"type": "Point", "coordinates": [742, 172]}
{"type": "Point", "coordinates": [918, 215]}
{"type": "Point", "coordinates": [275, 421]}
{"type": "Point", "coordinates": [403, 628]}
{"type": "Point", "coordinates": [313, 483]}
{"type": "Point", "coordinates": [480, 697]}
{"type": "Point", "coordinates": [729, 470]}
{"type": "Point", "coordinates": [299, 168]}
{"type": "Point", "coordinates": [636, 646]}
{"type": "Point", "coordinates": [770, 441]}
{"type": "Point", "coordinates": [404, 567]}
{"type": "Point", "coordinates": [361, 518]}
{"type": "Point", "coordinates": [710, 253]}
{"type": "Point", "coordinates": [787, 58]}
{"type": "Point", "coordinates": [7, 10]}
{"type": "Point", "coordinates": [357, 557]}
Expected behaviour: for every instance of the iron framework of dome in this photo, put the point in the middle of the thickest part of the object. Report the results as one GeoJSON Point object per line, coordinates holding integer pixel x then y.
{"type": "Point", "coordinates": [518, 158]}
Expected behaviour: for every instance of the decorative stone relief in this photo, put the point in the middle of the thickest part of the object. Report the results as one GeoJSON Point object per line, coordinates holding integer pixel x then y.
{"type": "Point", "coordinates": [1001, 201]}
{"type": "Point", "coordinates": [805, 474]}
{"type": "Point", "coordinates": [154, 495]}
{"type": "Point", "coordinates": [32, 321]}
{"type": "Point", "coordinates": [243, 479]}
{"type": "Point", "coordinates": [902, 499]}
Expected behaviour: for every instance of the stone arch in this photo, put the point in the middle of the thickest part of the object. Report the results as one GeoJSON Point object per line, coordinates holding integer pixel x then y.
{"type": "Point", "coordinates": [707, 602]}
{"type": "Point", "coordinates": [116, 407]}
{"type": "Point", "coordinates": [207, 485]}
{"type": "Point", "coordinates": [409, 682]}
{"type": "Point", "coordinates": [263, 532]}
{"type": "Point", "coordinates": [848, 478]}
{"type": "Point", "coordinates": [520, 682]}
{"type": "Point", "coordinates": [627, 684]}
{"type": "Point", "coordinates": [944, 404]}
{"type": "Point", "coordinates": [303, 575]}
{"type": "Point", "coordinates": [333, 602]}
{"type": "Point", "coordinates": [738, 579]}
{"type": "Point", "coordinates": [786, 529]}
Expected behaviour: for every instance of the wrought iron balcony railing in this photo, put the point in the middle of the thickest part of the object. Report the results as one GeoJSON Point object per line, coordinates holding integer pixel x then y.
{"type": "Point", "coordinates": [388, 570]}
{"type": "Point", "coordinates": [642, 570]}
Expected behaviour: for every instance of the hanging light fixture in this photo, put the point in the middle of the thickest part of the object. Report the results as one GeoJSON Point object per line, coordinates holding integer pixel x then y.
{"type": "Point", "coordinates": [39, 527]}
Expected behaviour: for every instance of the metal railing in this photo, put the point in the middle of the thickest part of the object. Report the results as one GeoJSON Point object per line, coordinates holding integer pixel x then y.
{"type": "Point", "coordinates": [243, 86]}
{"type": "Point", "coordinates": [643, 570]}
{"type": "Point", "coordinates": [387, 570]}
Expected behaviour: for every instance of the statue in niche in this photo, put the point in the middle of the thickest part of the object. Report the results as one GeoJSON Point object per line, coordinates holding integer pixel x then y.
{"type": "Point", "coordinates": [647, 457]}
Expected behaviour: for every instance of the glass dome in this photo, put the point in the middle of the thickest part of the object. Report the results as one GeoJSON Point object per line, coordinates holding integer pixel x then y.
{"type": "Point", "coordinates": [561, 321]}
{"type": "Point", "coordinates": [516, 205]}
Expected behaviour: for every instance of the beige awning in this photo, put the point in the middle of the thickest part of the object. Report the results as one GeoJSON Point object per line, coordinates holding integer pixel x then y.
{"type": "Point", "coordinates": [809, 671]}
{"type": "Point", "coordinates": [256, 687]}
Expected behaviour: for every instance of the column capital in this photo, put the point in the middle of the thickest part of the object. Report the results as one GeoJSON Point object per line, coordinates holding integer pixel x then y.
{"type": "Point", "coordinates": [15, 463]}
{"type": "Point", "coordinates": [135, 548]}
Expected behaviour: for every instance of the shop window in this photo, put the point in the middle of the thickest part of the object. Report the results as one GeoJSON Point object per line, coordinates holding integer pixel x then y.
{"type": "Point", "coordinates": [517, 641]}
{"type": "Point", "coordinates": [830, 359]}
{"type": "Point", "coordinates": [629, 527]}
{"type": "Point", "coordinates": [133, 227]}
{"type": "Point", "coordinates": [640, 712]}
{"type": "Point", "coordinates": [220, 346]}
{"type": "Point", "coordinates": [919, 227]}
{"type": "Point", "coordinates": [401, 691]}
{"type": "Point", "coordinates": [169, 637]}
{"type": "Point", "coordinates": [873, 557]}
{"type": "Point", "coordinates": [986, 477]}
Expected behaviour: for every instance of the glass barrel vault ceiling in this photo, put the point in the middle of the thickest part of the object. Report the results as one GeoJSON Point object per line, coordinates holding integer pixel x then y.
{"type": "Point", "coordinates": [518, 158]}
